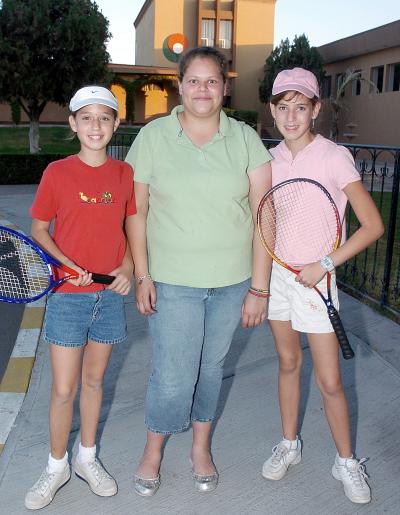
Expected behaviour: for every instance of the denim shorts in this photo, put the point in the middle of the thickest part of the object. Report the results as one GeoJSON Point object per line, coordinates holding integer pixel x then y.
{"type": "Point", "coordinates": [74, 318]}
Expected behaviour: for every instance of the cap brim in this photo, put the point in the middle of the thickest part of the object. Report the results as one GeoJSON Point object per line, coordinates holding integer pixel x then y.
{"type": "Point", "coordinates": [294, 87]}
{"type": "Point", "coordinates": [83, 103]}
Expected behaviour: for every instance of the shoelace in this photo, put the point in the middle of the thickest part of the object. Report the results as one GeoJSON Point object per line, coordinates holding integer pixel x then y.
{"type": "Point", "coordinates": [43, 482]}
{"type": "Point", "coordinates": [278, 453]}
{"type": "Point", "coordinates": [357, 473]}
{"type": "Point", "coordinates": [98, 471]}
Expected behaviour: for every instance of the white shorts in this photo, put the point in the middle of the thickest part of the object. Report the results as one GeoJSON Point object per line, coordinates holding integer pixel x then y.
{"type": "Point", "coordinates": [303, 307]}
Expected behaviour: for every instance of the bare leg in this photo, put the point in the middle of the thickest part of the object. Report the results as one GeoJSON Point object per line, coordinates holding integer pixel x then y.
{"type": "Point", "coordinates": [66, 367]}
{"type": "Point", "coordinates": [287, 342]}
{"type": "Point", "coordinates": [325, 354]}
{"type": "Point", "coordinates": [95, 360]}
{"type": "Point", "coordinates": [201, 454]}
{"type": "Point", "coordinates": [149, 465]}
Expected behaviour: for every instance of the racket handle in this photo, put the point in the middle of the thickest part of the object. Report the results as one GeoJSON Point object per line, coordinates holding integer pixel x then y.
{"type": "Point", "coordinates": [337, 325]}
{"type": "Point", "coordinates": [102, 279]}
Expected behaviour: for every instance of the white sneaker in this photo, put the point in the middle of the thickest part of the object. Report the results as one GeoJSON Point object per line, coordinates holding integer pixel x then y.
{"type": "Point", "coordinates": [283, 456]}
{"type": "Point", "coordinates": [352, 474]}
{"type": "Point", "coordinates": [43, 491]}
{"type": "Point", "coordinates": [99, 481]}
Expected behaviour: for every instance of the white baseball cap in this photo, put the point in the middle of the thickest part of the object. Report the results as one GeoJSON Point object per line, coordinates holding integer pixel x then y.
{"type": "Point", "coordinates": [93, 95]}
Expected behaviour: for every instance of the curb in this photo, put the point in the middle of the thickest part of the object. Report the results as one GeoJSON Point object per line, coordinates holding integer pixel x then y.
{"type": "Point", "coordinates": [15, 382]}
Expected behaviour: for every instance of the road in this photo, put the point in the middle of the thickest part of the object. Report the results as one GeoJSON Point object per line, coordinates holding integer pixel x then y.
{"type": "Point", "coordinates": [14, 206]}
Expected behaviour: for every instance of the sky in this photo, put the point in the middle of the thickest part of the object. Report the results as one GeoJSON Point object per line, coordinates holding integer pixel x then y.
{"type": "Point", "coordinates": [322, 21]}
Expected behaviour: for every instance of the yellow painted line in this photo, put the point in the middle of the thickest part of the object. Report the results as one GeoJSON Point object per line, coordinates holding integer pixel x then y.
{"type": "Point", "coordinates": [17, 376]}
{"type": "Point", "coordinates": [15, 382]}
{"type": "Point", "coordinates": [32, 318]}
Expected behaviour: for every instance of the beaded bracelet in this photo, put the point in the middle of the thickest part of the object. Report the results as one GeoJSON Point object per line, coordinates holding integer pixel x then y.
{"type": "Point", "coordinates": [258, 294]}
{"type": "Point", "coordinates": [142, 278]}
{"type": "Point", "coordinates": [258, 290]}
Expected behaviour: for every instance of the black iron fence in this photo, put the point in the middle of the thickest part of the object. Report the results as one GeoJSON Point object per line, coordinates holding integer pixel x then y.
{"type": "Point", "coordinates": [121, 143]}
{"type": "Point", "coordinates": [375, 273]}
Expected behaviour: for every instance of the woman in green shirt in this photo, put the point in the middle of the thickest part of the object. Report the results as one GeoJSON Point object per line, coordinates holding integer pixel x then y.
{"type": "Point", "coordinates": [199, 264]}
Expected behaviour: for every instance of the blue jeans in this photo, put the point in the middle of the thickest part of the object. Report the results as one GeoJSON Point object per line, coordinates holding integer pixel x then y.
{"type": "Point", "coordinates": [191, 334]}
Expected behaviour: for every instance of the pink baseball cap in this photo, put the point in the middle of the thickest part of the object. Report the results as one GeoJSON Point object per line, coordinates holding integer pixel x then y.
{"type": "Point", "coordinates": [297, 79]}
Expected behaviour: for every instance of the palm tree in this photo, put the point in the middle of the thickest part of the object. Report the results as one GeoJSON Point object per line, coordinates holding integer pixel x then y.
{"type": "Point", "coordinates": [337, 103]}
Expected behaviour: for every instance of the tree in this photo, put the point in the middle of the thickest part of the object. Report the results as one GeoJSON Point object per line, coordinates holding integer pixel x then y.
{"type": "Point", "coordinates": [48, 49]}
{"type": "Point", "coordinates": [336, 101]}
{"type": "Point", "coordinates": [290, 55]}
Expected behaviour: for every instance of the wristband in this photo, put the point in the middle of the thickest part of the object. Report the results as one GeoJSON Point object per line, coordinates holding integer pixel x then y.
{"type": "Point", "coordinates": [258, 294]}
{"type": "Point", "coordinates": [258, 290]}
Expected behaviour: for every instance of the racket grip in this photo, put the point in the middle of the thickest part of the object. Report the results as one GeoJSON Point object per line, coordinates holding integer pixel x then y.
{"type": "Point", "coordinates": [337, 325]}
{"type": "Point", "coordinates": [102, 279]}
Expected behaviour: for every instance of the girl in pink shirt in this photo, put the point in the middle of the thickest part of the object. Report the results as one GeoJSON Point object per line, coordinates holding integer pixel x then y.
{"type": "Point", "coordinates": [294, 305]}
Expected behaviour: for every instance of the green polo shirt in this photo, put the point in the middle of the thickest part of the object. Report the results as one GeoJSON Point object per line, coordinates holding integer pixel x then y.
{"type": "Point", "coordinates": [199, 224]}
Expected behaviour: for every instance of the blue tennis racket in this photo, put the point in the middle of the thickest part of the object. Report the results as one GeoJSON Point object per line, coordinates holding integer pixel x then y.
{"type": "Point", "coordinates": [27, 272]}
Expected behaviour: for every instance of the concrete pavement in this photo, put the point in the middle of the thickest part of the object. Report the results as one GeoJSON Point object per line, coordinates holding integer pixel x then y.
{"type": "Point", "coordinates": [248, 428]}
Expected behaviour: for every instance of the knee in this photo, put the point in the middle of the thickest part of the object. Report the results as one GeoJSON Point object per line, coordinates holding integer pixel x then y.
{"type": "Point", "coordinates": [171, 386]}
{"type": "Point", "coordinates": [330, 387]}
{"type": "Point", "coordinates": [92, 383]}
{"type": "Point", "coordinates": [63, 394]}
{"type": "Point", "coordinates": [290, 363]}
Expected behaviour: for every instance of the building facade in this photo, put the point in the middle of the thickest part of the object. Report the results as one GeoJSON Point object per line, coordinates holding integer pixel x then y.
{"type": "Point", "coordinates": [371, 108]}
{"type": "Point", "coordinates": [243, 30]}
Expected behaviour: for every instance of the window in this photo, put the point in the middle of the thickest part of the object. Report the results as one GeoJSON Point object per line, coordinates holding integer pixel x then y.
{"type": "Point", "coordinates": [394, 77]}
{"type": "Point", "coordinates": [225, 34]}
{"type": "Point", "coordinates": [326, 87]}
{"type": "Point", "coordinates": [356, 85]}
{"type": "Point", "coordinates": [338, 82]}
{"type": "Point", "coordinates": [377, 77]}
{"type": "Point", "coordinates": [207, 32]}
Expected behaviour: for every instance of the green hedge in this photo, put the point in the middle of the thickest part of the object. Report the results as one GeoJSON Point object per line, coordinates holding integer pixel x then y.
{"type": "Point", "coordinates": [24, 168]}
{"type": "Point", "coordinates": [247, 116]}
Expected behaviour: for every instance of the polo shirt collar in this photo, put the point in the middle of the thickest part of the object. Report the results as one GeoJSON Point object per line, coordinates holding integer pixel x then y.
{"type": "Point", "coordinates": [224, 122]}
{"type": "Point", "coordinates": [287, 154]}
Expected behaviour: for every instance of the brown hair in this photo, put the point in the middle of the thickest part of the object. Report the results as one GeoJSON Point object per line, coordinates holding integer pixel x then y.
{"type": "Point", "coordinates": [275, 99]}
{"type": "Point", "coordinates": [203, 52]}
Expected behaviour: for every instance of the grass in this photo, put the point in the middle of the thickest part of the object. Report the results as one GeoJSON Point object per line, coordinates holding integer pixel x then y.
{"type": "Point", "coordinates": [365, 271]}
{"type": "Point", "coordinates": [53, 140]}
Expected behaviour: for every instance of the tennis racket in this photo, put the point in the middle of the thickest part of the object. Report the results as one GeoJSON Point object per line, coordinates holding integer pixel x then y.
{"type": "Point", "coordinates": [27, 272]}
{"type": "Point", "coordinates": [299, 223]}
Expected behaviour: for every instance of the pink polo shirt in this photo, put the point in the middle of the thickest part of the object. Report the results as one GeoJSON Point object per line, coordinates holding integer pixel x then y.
{"type": "Point", "coordinates": [323, 161]}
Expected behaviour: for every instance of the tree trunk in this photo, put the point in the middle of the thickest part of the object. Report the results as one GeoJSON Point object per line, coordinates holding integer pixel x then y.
{"type": "Point", "coordinates": [33, 109]}
{"type": "Point", "coordinates": [34, 136]}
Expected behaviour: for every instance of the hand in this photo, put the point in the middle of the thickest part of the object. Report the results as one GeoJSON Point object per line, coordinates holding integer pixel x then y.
{"type": "Point", "coordinates": [84, 279]}
{"type": "Point", "coordinates": [123, 280]}
{"type": "Point", "coordinates": [146, 297]}
{"type": "Point", "coordinates": [254, 310]}
{"type": "Point", "coordinates": [311, 275]}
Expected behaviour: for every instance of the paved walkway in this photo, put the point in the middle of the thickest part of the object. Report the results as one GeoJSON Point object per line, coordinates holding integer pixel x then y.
{"type": "Point", "coordinates": [248, 428]}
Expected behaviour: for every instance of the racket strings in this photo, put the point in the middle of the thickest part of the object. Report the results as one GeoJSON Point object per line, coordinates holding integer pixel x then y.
{"type": "Point", "coordinates": [298, 223]}
{"type": "Point", "coordinates": [23, 273]}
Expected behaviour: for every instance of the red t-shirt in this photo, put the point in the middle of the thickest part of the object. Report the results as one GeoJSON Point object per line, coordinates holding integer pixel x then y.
{"type": "Point", "coordinates": [89, 206]}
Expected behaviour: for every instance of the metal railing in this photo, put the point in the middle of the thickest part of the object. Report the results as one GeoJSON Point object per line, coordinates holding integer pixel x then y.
{"type": "Point", "coordinates": [121, 143]}
{"type": "Point", "coordinates": [375, 273]}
